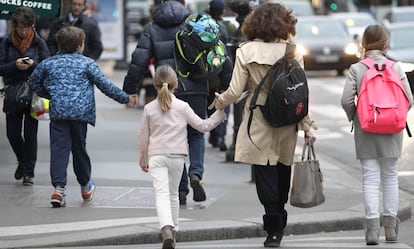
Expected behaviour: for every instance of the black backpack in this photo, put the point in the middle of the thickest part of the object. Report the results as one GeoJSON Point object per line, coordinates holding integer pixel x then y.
{"type": "Point", "coordinates": [195, 58]}
{"type": "Point", "coordinates": [288, 97]}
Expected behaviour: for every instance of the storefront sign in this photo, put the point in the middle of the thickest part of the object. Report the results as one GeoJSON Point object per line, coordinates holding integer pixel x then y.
{"type": "Point", "coordinates": [40, 7]}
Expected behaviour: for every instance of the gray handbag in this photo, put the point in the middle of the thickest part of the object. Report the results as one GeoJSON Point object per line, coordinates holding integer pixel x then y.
{"type": "Point", "coordinates": [307, 187]}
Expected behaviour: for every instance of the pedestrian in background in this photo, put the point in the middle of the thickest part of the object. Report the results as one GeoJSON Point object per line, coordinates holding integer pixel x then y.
{"type": "Point", "coordinates": [378, 153]}
{"type": "Point", "coordinates": [23, 41]}
{"type": "Point", "coordinates": [162, 146]}
{"type": "Point", "coordinates": [77, 18]}
{"type": "Point", "coordinates": [217, 136]}
{"type": "Point", "coordinates": [157, 41]}
{"type": "Point", "coordinates": [268, 28]}
{"type": "Point", "coordinates": [68, 80]}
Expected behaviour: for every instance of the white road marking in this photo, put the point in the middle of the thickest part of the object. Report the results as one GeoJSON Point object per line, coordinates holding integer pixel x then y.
{"type": "Point", "coordinates": [406, 173]}
{"type": "Point", "coordinates": [73, 226]}
{"type": "Point", "coordinates": [329, 110]}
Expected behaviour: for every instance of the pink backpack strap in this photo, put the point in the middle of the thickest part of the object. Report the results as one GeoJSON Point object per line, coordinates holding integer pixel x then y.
{"type": "Point", "coordinates": [368, 62]}
{"type": "Point", "coordinates": [371, 63]}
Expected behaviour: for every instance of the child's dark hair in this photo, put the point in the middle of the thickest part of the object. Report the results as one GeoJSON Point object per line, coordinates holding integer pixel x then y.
{"type": "Point", "coordinates": [165, 81]}
{"type": "Point", "coordinates": [69, 39]}
{"type": "Point", "coordinates": [24, 16]}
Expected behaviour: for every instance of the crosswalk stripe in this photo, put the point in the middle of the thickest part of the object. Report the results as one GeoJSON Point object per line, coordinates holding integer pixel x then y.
{"type": "Point", "coordinates": [73, 226]}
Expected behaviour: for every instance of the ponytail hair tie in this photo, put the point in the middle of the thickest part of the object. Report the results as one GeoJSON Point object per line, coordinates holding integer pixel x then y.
{"type": "Point", "coordinates": [165, 84]}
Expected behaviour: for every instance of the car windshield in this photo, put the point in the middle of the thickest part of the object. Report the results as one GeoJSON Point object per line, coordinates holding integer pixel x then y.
{"type": "Point", "coordinates": [401, 38]}
{"type": "Point", "coordinates": [320, 29]}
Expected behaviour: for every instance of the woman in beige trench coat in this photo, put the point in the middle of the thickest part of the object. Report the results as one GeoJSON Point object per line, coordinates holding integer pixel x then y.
{"type": "Point", "coordinates": [267, 29]}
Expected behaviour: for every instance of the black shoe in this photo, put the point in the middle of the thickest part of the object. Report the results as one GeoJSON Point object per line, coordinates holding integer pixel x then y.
{"type": "Point", "coordinates": [196, 184]}
{"type": "Point", "coordinates": [212, 141]}
{"type": "Point", "coordinates": [183, 198]}
{"type": "Point", "coordinates": [18, 174]}
{"type": "Point", "coordinates": [27, 181]}
{"type": "Point", "coordinates": [273, 240]}
{"type": "Point", "coordinates": [221, 144]}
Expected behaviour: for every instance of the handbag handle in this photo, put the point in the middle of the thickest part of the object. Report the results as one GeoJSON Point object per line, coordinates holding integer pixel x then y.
{"type": "Point", "coordinates": [307, 147]}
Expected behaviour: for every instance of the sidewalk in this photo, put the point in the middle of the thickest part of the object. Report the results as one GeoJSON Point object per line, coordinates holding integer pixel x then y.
{"type": "Point", "coordinates": [123, 210]}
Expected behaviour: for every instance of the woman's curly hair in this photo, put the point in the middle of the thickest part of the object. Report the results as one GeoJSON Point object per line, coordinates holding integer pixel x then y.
{"type": "Point", "coordinates": [269, 22]}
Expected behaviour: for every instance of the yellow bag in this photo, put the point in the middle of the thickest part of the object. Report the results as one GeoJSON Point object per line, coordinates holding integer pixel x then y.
{"type": "Point", "coordinates": [39, 108]}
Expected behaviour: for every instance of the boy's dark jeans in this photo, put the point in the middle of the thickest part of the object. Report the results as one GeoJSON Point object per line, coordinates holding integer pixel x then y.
{"type": "Point", "coordinates": [66, 137]}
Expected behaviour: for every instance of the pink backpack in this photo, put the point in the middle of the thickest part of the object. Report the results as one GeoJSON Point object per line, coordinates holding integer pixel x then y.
{"type": "Point", "coordinates": [382, 102]}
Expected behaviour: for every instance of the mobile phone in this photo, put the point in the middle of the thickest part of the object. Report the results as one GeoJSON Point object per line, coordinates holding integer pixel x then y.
{"type": "Point", "coordinates": [25, 60]}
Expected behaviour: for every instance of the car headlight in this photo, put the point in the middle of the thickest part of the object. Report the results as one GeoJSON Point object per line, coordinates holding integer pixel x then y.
{"type": "Point", "coordinates": [300, 49]}
{"type": "Point", "coordinates": [407, 67]}
{"type": "Point", "coordinates": [351, 49]}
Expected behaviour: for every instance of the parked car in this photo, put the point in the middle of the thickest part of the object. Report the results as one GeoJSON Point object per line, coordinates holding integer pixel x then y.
{"type": "Point", "coordinates": [401, 47]}
{"type": "Point", "coordinates": [325, 44]}
{"type": "Point", "coordinates": [356, 22]}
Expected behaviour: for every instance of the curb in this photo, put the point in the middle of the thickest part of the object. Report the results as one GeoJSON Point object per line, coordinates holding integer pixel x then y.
{"type": "Point", "coordinates": [198, 231]}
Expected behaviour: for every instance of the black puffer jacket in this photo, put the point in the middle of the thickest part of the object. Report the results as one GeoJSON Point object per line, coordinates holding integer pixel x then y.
{"type": "Point", "coordinates": [157, 41]}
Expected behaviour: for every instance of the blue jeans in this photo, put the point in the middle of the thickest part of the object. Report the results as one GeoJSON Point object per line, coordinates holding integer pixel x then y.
{"type": "Point", "coordinates": [196, 143]}
{"type": "Point", "coordinates": [221, 130]}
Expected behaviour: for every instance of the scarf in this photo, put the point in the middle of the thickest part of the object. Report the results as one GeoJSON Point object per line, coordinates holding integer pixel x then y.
{"type": "Point", "coordinates": [22, 44]}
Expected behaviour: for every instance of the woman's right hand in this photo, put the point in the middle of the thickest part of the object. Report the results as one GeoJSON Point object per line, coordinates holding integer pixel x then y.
{"type": "Point", "coordinates": [23, 65]}
{"type": "Point", "coordinates": [309, 135]}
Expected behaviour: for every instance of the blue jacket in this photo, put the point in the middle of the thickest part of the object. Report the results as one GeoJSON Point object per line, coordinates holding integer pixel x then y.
{"type": "Point", "coordinates": [68, 81]}
{"type": "Point", "coordinates": [37, 51]}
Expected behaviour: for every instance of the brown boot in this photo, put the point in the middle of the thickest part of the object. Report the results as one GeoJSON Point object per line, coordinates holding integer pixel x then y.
{"type": "Point", "coordinates": [391, 228]}
{"type": "Point", "coordinates": [168, 240]}
{"type": "Point", "coordinates": [372, 231]}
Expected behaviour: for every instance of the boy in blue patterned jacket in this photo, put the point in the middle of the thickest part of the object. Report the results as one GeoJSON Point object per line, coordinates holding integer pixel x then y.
{"type": "Point", "coordinates": [68, 80]}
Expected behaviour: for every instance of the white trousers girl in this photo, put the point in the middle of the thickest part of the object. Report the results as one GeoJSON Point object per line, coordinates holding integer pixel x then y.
{"type": "Point", "coordinates": [377, 172]}
{"type": "Point", "coordinates": [166, 171]}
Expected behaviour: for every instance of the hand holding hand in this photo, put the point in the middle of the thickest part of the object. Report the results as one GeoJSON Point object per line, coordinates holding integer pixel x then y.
{"type": "Point", "coordinates": [133, 99]}
{"type": "Point", "coordinates": [217, 103]}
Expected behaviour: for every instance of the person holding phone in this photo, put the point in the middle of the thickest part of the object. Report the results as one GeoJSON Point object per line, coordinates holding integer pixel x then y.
{"type": "Point", "coordinates": [20, 53]}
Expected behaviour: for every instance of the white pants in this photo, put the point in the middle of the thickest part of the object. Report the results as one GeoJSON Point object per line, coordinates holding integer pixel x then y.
{"type": "Point", "coordinates": [166, 171]}
{"type": "Point", "coordinates": [377, 172]}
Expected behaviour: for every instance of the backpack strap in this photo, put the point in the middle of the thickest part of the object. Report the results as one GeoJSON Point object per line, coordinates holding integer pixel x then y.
{"type": "Point", "coordinates": [371, 63]}
{"type": "Point", "coordinates": [255, 96]}
{"type": "Point", "coordinates": [253, 105]}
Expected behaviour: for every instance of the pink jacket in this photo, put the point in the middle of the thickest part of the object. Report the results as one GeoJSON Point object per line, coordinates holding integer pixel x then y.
{"type": "Point", "coordinates": [166, 132]}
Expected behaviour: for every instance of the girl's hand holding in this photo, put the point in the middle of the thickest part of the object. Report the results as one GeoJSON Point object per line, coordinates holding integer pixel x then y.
{"type": "Point", "coordinates": [217, 103]}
